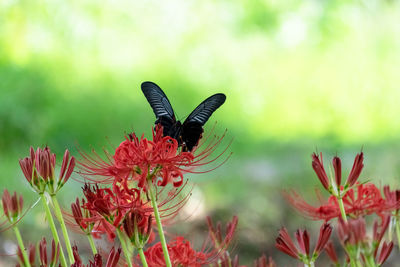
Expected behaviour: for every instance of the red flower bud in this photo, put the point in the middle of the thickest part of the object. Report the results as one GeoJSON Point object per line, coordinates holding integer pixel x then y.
{"type": "Point", "coordinates": [356, 169]}
{"type": "Point", "coordinates": [318, 167]}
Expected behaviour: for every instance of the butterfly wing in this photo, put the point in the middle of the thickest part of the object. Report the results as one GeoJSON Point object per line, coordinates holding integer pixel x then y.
{"type": "Point", "coordinates": [203, 112]}
{"type": "Point", "coordinates": [192, 128]}
{"type": "Point", "coordinates": [161, 107]}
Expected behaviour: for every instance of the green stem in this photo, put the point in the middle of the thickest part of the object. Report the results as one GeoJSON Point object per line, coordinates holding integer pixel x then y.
{"type": "Point", "coordinates": [159, 225]}
{"type": "Point", "coordinates": [53, 229]}
{"type": "Point", "coordinates": [342, 210]}
{"type": "Point", "coordinates": [60, 219]}
{"type": "Point", "coordinates": [124, 248]}
{"type": "Point", "coordinates": [142, 257]}
{"type": "Point", "coordinates": [92, 245]}
{"type": "Point", "coordinates": [21, 246]}
{"type": "Point", "coordinates": [398, 230]}
{"type": "Point", "coordinates": [371, 261]}
{"type": "Point", "coordinates": [352, 263]}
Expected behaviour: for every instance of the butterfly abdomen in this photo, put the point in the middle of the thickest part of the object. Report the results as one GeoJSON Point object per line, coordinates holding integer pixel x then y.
{"type": "Point", "coordinates": [191, 134]}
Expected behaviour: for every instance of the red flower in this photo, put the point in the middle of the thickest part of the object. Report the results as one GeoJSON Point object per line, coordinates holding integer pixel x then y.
{"type": "Point", "coordinates": [386, 249]}
{"type": "Point", "coordinates": [285, 244]}
{"type": "Point", "coordinates": [318, 166]}
{"type": "Point", "coordinates": [264, 262]}
{"type": "Point", "coordinates": [137, 226]}
{"type": "Point", "coordinates": [12, 206]}
{"type": "Point", "coordinates": [55, 252]}
{"type": "Point", "coordinates": [324, 234]}
{"type": "Point", "coordinates": [181, 254]}
{"type": "Point", "coordinates": [39, 170]}
{"type": "Point", "coordinates": [330, 250]}
{"type": "Point", "coordinates": [379, 231]}
{"type": "Point", "coordinates": [219, 242]}
{"type": "Point", "coordinates": [359, 201]}
{"type": "Point", "coordinates": [352, 232]}
{"type": "Point", "coordinates": [159, 161]}
{"type": "Point", "coordinates": [31, 256]}
{"type": "Point", "coordinates": [356, 169]}
{"type": "Point", "coordinates": [112, 260]}
{"type": "Point", "coordinates": [110, 205]}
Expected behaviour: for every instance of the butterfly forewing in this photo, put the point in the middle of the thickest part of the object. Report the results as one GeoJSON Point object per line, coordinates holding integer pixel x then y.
{"type": "Point", "coordinates": [203, 112]}
{"type": "Point", "coordinates": [158, 101]}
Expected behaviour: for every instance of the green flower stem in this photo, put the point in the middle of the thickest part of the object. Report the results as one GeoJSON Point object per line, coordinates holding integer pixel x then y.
{"type": "Point", "coordinates": [60, 219]}
{"type": "Point", "coordinates": [159, 225]}
{"type": "Point", "coordinates": [21, 246]}
{"type": "Point", "coordinates": [398, 230]}
{"type": "Point", "coordinates": [92, 245]}
{"type": "Point", "coordinates": [371, 261]}
{"type": "Point", "coordinates": [124, 247]}
{"type": "Point", "coordinates": [142, 257]}
{"type": "Point", "coordinates": [53, 229]}
{"type": "Point", "coordinates": [342, 210]}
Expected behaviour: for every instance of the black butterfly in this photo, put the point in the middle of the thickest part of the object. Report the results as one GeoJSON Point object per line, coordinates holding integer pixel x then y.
{"type": "Point", "coordinates": [189, 133]}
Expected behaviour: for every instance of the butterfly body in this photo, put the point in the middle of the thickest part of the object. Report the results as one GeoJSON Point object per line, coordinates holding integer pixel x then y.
{"type": "Point", "coordinates": [190, 131]}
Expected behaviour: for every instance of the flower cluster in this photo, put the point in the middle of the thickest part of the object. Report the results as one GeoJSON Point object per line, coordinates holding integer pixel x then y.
{"type": "Point", "coordinates": [138, 190]}
{"type": "Point", "coordinates": [159, 161]}
{"type": "Point", "coordinates": [285, 244]}
{"type": "Point", "coordinates": [361, 200]}
{"type": "Point", "coordinates": [349, 204]}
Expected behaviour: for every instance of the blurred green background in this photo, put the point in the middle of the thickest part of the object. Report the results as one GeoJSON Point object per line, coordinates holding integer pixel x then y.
{"type": "Point", "coordinates": [299, 76]}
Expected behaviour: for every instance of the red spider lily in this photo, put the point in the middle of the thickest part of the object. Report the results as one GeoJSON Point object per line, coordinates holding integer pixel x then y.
{"type": "Point", "coordinates": [362, 200]}
{"type": "Point", "coordinates": [38, 169]}
{"type": "Point", "coordinates": [137, 226]}
{"type": "Point", "coordinates": [12, 206]}
{"type": "Point", "coordinates": [285, 244]}
{"type": "Point", "coordinates": [386, 249]}
{"type": "Point", "coordinates": [216, 233]}
{"type": "Point", "coordinates": [112, 260]}
{"type": "Point", "coordinates": [109, 208]}
{"type": "Point", "coordinates": [353, 236]}
{"type": "Point", "coordinates": [55, 252]}
{"type": "Point", "coordinates": [31, 256]}
{"type": "Point", "coordinates": [356, 169]}
{"type": "Point", "coordinates": [352, 232]}
{"type": "Point", "coordinates": [181, 254]}
{"type": "Point", "coordinates": [330, 250]}
{"type": "Point", "coordinates": [392, 197]}
{"type": "Point", "coordinates": [318, 166]}
{"type": "Point", "coordinates": [82, 216]}
{"type": "Point", "coordinates": [159, 161]}
{"type": "Point", "coordinates": [379, 231]}
{"type": "Point", "coordinates": [264, 262]}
